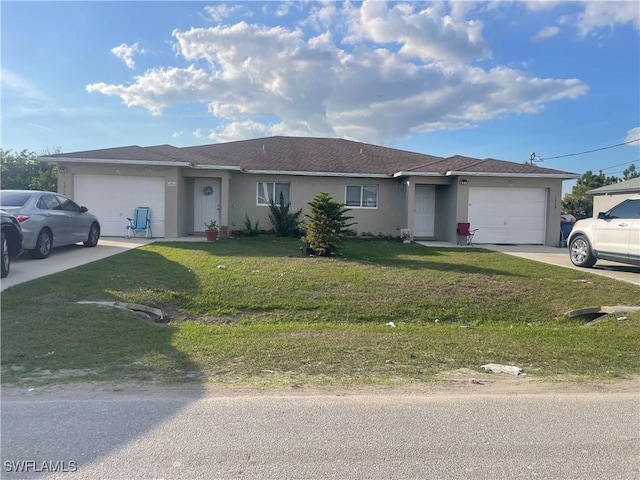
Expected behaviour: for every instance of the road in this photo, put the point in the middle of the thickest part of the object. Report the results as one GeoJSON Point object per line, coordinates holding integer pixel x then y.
{"type": "Point", "coordinates": [190, 433]}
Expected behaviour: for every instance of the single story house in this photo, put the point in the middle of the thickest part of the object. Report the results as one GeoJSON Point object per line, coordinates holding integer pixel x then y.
{"type": "Point", "coordinates": [604, 198]}
{"type": "Point", "coordinates": [386, 189]}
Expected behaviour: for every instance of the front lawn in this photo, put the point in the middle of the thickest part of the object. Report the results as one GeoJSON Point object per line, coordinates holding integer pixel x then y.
{"type": "Point", "coordinates": [255, 311]}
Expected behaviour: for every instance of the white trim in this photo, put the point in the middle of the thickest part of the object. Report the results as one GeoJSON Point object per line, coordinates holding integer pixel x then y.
{"type": "Point", "coordinates": [361, 206]}
{"type": "Point", "coordinates": [417, 174]}
{"type": "Point", "coordinates": [216, 167]}
{"type": "Point", "coordinates": [117, 162]}
{"type": "Point", "coordinates": [564, 176]}
{"type": "Point", "coordinates": [317, 174]}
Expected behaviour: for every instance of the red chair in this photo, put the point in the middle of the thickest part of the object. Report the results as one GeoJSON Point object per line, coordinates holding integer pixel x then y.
{"type": "Point", "coordinates": [465, 234]}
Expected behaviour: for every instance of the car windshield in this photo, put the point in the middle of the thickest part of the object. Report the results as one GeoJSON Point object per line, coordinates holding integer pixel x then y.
{"type": "Point", "coordinates": [14, 199]}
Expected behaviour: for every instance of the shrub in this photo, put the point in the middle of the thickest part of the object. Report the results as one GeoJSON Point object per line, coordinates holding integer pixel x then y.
{"type": "Point", "coordinates": [250, 229]}
{"type": "Point", "coordinates": [285, 223]}
{"type": "Point", "coordinates": [327, 225]}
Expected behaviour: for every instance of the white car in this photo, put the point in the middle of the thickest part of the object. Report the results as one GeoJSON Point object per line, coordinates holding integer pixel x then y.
{"type": "Point", "coordinates": [613, 235]}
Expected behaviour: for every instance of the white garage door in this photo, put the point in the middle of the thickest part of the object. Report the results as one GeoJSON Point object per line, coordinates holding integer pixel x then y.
{"type": "Point", "coordinates": [508, 215]}
{"type": "Point", "coordinates": [113, 199]}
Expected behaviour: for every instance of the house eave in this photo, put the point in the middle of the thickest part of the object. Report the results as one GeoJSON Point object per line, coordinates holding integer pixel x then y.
{"type": "Point", "coordinates": [114, 162]}
{"type": "Point", "coordinates": [217, 167]}
{"type": "Point", "coordinates": [317, 174]}
{"type": "Point", "coordinates": [562, 176]}
{"type": "Point", "coordinates": [417, 174]}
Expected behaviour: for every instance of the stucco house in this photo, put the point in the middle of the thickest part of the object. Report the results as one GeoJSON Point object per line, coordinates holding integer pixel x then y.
{"type": "Point", "coordinates": [386, 189]}
{"type": "Point", "coordinates": [604, 198]}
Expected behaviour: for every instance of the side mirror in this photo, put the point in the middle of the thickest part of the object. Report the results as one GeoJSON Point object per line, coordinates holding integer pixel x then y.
{"type": "Point", "coordinates": [84, 209]}
{"type": "Point", "coordinates": [602, 215]}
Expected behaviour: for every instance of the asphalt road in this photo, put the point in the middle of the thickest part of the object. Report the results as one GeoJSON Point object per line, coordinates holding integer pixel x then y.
{"type": "Point", "coordinates": [170, 434]}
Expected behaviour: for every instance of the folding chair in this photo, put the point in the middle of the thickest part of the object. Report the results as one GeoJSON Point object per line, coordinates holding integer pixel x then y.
{"type": "Point", "coordinates": [140, 224]}
{"type": "Point", "coordinates": [465, 234]}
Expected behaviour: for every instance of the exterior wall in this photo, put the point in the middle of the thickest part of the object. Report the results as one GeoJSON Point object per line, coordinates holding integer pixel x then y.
{"type": "Point", "coordinates": [186, 201]}
{"type": "Point", "coordinates": [171, 175]}
{"type": "Point", "coordinates": [444, 208]}
{"type": "Point", "coordinates": [602, 203]}
{"type": "Point", "coordinates": [386, 219]}
{"type": "Point", "coordinates": [554, 199]}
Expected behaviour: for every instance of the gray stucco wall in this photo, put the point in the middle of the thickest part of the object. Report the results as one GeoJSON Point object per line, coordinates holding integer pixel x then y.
{"type": "Point", "coordinates": [602, 203]}
{"type": "Point", "coordinates": [172, 179]}
{"type": "Point", "coordinates": [554, 199]}
{"type": "Point", "coordinates": [386, 219]}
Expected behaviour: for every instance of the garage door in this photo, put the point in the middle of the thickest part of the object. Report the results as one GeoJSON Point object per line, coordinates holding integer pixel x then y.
{"type": "Point", "coordinates": [508, 215]}
{"type": "Point", "coordinates": [113, 198]}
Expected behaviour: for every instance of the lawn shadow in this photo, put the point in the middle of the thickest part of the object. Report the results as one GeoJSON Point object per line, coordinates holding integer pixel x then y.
{"type": "Point", "coordinates": [57, 346]}
{"type": "Point", "coordinates": [381, 252]}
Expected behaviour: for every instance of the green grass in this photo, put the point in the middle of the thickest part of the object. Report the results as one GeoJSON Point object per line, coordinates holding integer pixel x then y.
{"type": "Point", "coordinates": [254, 311]}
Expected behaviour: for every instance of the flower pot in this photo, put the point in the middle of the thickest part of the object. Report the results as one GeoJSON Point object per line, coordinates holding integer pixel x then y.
{"type": "Point", "coordinates": [212, 235]}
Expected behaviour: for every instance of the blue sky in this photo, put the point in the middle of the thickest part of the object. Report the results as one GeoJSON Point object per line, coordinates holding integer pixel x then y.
{"type": "Point", "coordinates": [483, 79]}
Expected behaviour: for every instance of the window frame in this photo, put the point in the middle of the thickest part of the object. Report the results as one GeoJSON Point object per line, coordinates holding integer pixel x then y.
{"type": "Point", "coordinates": [272, 193]}
{"type": "Point", "coordinates": [362, 200]}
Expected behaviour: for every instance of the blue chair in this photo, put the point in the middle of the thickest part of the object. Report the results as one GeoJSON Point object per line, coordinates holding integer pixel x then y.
{"type": "Point", "coordinates": [140, 224]}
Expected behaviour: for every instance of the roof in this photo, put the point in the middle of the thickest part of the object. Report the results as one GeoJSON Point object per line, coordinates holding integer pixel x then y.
{"type": "Point", "coordinates": [309, 156]}
{"type": "Point", "coordinates": [628, 186]}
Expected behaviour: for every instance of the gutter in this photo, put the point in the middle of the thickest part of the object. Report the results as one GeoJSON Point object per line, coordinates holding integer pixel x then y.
{"type": "Point", "coordinates": [563, 176]}
{"type": "Point", "coordinates": [116, 162]}
{"type": "Point", "coordinates": [317, 174]}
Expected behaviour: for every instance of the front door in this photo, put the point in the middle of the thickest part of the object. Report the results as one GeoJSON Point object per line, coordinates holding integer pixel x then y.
{"type": "Point", "coordinates": [206, 202]}
{"type": "Point", "coordinates": [424, 212]}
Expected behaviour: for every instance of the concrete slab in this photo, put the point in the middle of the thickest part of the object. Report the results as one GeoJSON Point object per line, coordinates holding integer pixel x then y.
{"type": "Point", "coordinates": [25, 269]}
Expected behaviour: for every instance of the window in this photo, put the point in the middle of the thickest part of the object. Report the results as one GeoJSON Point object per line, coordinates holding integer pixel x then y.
{"type": "Point", "coordinates": [268, 191]}
{"type": "Point", "coordinates": [48, 202]}
{"type": "Point", "coordinates": [628, 209]}
{"type": "Point", "coordinates": [67, 204]}
{"type": "Point", "coordinates": [364, 196]}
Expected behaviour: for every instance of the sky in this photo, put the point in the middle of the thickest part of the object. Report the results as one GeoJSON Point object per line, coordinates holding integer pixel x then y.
{"type": "Point", "coordinates": [512, 80]}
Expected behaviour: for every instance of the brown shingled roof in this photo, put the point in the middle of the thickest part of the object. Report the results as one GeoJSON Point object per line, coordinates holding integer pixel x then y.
{"type": "Point", "coordinates": [310, 154]}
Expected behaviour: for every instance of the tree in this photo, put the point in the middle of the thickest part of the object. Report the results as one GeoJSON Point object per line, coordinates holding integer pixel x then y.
{"type": "Point", "coordinates": [23, 171]}
{"type": "Point", "coordinates": [327, 226]}
{"type": "Point", "coordinates": [578, 203]}
{"type": "Point", "coordinates": [630, 172]}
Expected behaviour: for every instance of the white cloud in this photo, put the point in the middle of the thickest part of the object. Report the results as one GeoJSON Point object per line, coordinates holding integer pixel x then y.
{"type": "Point", "coordinates": [598, 15]}
{"type": "Point", "coordinates": [546, 33]}
{"type": "Point", "coordinates": [126, 52]}
{"type": "Point", "coordinates": [403, 71]}
{"type": "Point", "coordinates": [160, 87]}
{"type": "Point", "coordinates": [198, 133]}
{"type": "Point", "coordinates": [221, 11]}
{"type": "Point", "coordinates": [633, 134]}
{"type": "Point", "coordinates": [425, 34]}
{"type": "Point", "coordinates": [176, 134]}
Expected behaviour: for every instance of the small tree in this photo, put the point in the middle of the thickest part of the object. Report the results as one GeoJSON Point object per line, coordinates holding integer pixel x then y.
{"type": "Point", "coordinates": [23, 171]}
{"type": "Point", "coordinates": [285, 223]}
{"type": "Point", "coordinates": [578, 203]}
{"type": "Point", "coordinates": [327, 225]}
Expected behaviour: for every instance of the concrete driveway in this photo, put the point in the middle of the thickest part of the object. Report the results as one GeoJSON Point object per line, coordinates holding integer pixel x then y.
{"type": "Point", "coordinates": [25, 269]}
{"type": "Point", "coordinates": [560, 257]}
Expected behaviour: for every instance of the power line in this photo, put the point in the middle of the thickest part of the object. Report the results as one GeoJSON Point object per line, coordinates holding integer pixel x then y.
{"type": "Point", "coordinates": [588, 151]}
{"type": "Point", "coordinates": [619, 165]}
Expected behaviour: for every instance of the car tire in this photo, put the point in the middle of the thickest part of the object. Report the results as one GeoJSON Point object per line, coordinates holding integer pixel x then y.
{"type": "Point", "coordinates": [94, 236]}
{"type": "Point", "coordinates": [43, 245]}
{"type": "Point", "coordinates": [580, 252]}
{"type": "Point", "coordinates": [4, 252]}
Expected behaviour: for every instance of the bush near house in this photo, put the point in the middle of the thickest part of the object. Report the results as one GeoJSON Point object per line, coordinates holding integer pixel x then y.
{"type": "Point", "coordinates": [328, 225]}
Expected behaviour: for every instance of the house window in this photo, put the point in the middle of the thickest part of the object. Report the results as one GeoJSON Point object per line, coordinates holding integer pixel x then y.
{"type": "Point", "coordinates": [363, 196]}
{"type": "Point", "coordinates": [268, 191]}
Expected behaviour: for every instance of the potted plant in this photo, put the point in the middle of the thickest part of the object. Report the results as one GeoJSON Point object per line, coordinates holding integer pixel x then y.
{"type": "Point", "coordinates": [211, 230]}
